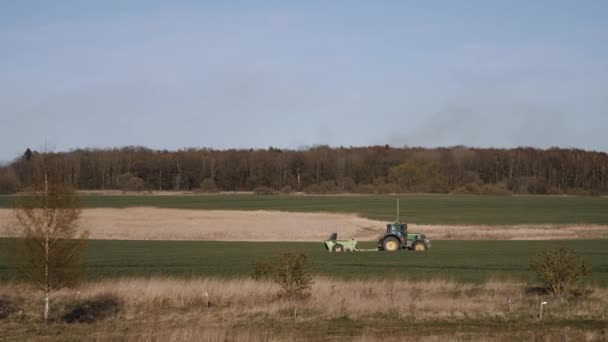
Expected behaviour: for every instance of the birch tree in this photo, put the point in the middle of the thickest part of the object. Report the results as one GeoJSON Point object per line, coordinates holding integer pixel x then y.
{"type": "Point", "coordinates": [48, 255]}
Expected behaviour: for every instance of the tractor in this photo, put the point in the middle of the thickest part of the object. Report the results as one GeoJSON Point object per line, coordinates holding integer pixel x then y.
{"type": "Point", "coordinates": [396, 237]}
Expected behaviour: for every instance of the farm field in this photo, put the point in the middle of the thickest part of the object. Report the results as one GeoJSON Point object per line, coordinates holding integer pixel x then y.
{"type": "Point", "coordinates": [466, 261]}
{"type": "Point", "coordinates": [459, 289]}
{"type": "Point", "coordinates": [420, 209]}
{"type": "Point", "coordinates": [212, 309]}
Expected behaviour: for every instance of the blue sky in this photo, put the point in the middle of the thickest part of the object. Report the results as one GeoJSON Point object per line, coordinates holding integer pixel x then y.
{"type": "Point", "coordinates": [257, 74]}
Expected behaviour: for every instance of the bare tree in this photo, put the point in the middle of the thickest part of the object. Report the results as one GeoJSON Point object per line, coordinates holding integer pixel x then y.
{"type": "Point", "coordinates": [49, 254]}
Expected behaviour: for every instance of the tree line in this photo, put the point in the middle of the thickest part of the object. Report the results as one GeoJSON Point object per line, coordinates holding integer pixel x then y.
{"type": "Point", "coordinates": [320, 169]}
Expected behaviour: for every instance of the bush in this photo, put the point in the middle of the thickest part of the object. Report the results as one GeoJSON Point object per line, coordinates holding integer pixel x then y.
{"type": "Point", "coordinates": [381, 186]}
{"type": "Point", "coordinates": [495, 190]}
{"type": "Point", "coordinates": [264, 190]}
{"type": "Point", "coordinates": [92, 310]}
{"type": "Point", "coordinates": [471, 177]}
{"type": "Point", "coordinates": [129, 182]}
{"type": "Point", "coordinates": [263, 270]}
{"type": "Point", "coordinates": [7, 307]}
{"type": "Point", "coordinates": [560, 270]}
{"type": "Point", "coordinates": [364, 189]}
{"type": "Point", "coordinates": [208, 185]}
{"type": "Point", "coordinates": [576, 192]}
{"type": "Point", "coordinates": [487, 189]}
{"type": "Point", "coordinates": [292, 271]}
{"type": "Point", "coordinates": [530, 185]}
{"type": "Point", "coordinates": [325, 187]}
{"type": "Point", "coordinates": [468, 189]}
{"type": "Point", "coordinates": [287, 189]}
{"type": "Point", "coordinates": [8, 183]}
{"type": "Point", "coordinates": [348, 184]}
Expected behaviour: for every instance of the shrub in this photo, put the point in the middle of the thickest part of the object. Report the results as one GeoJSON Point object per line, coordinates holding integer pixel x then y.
{"type": "Point", "coordinates": [129, 182]}
{"type": "Point", "coordinates": [263, 270]}
{"type": "Point", "coordinates": [364, 189]}
{"type": "Point", "coordinates": [576, 192]}
{"type": "Point", "coordinates": [264, 190]}
{"type": "Point", "coordinates": [348, 184]}
{"type": "Point", "coordinates": [468, 189]}
{"type": "Point", "coordinates": [293, 273]}
{"type": "Point", "coordinates": [8, 183]}
{"type": "Point", "coordinates": [560, 270]}
{"type": "Point", "coordinates": [287, 189]}
{"type": "Point", "coordinates": [537, 186]}
{"type": "Point", "coordinates": [325, 187]}
{"type": "Point", "coordinates": [471, 177]}
{"type": "Point", "coordinates": [208, 185]}
{"type": "Point", "coordinates": [290, 270]}
{"type": "Point", "coordinates": [495, 190]}
{"type": "Point", "coordinates": [388, 188]}
{"type": "Point", "coordinates": [92, 310]}
{"type": "Point", "coordinates": [7, 307]}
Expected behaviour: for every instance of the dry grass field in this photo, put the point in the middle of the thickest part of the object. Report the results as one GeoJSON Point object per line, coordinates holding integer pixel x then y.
{"type": "Point", "coordinates": [167, 309]}
{"type": "Point", "coordinates": [142, 223]}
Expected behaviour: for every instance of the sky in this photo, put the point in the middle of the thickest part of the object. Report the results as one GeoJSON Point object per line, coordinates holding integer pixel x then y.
{"type": "Point", "coordinates": [255, 74]}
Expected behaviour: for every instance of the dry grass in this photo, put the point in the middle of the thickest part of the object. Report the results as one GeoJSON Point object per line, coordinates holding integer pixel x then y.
{"type": "Point", "coordinates": [182, 224]}
{"type": "Point", "coordinates": [167, 309]}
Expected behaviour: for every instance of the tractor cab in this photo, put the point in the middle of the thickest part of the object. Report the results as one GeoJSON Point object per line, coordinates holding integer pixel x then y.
{"type": "Point", "coordinates": [399, 229]}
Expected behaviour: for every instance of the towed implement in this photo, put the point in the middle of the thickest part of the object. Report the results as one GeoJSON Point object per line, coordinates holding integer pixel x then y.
{"type": "Point", "coordinates": [334, 245]}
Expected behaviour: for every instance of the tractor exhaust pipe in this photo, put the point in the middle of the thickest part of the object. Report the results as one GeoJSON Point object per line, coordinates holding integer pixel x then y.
{"type": "Point", "coordinates": [398, 208]}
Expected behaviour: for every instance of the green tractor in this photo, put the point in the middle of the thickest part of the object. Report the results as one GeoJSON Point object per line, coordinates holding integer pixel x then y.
{"type": "Point", "coordinates": [396, 237]}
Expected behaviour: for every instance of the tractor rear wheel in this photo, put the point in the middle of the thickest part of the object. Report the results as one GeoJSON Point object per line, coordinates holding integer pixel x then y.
{"type": "Point", "coordinates": [391, 244]}
{"type": "Point", "coordinates": [338, 248]}
{"type": "Point", "coordinates": [419, 247]}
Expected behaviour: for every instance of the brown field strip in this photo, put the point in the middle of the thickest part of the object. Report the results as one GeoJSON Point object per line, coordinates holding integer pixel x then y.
{"type": "Point", "coordinates": [230, 225]}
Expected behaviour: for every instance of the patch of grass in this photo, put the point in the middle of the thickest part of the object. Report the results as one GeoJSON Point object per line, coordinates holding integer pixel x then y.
{"type": "Point", "coordinates": [92, 309]}
{"type": "Point", "coordinates": [421, 209]}
{"type": "Point", "coordinates": [469, 261]}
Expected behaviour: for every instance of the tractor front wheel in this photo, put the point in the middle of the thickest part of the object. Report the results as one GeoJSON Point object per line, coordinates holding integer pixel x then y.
{"type": "Point", "coordinates": [338, 248]}
{"type": "Point", "coordinates": [419, 247]}
{"type": "Point", "coordinates": [391, 244]}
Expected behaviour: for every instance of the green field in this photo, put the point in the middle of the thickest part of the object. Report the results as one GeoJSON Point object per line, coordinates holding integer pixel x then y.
{"type": "Point", "coordinates": [421, 209]}
{"type": "Point", "coordinates": [470, 261]}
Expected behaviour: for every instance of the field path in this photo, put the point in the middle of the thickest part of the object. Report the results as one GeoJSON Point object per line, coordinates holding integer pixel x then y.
{"type": "Point", "coordinates": [142, 223]}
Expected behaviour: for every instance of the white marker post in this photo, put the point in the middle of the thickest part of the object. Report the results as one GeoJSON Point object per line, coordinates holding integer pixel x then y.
{"type": "Point", "coordinates": [541, 309]}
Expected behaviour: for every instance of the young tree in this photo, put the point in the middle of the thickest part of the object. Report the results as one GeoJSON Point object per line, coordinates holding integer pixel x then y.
{"type": "Point", "coordinates": [292, 271]}
{"type": "Point", "coordinates": [49, 253]}
{"type": "Point", "coordinates": [559, 269]}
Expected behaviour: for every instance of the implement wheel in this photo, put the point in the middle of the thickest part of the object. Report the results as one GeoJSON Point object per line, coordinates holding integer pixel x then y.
{"type": "Point", "coordinates": [419, 247]}
{"type": "Point", "coordinates": [391, 244]}
{"type": "Point", "coordinates": [338, 248]}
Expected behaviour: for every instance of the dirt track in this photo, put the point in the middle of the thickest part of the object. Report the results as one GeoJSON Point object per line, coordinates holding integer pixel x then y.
{"type": "Point", "coordinates": [225, 225]}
